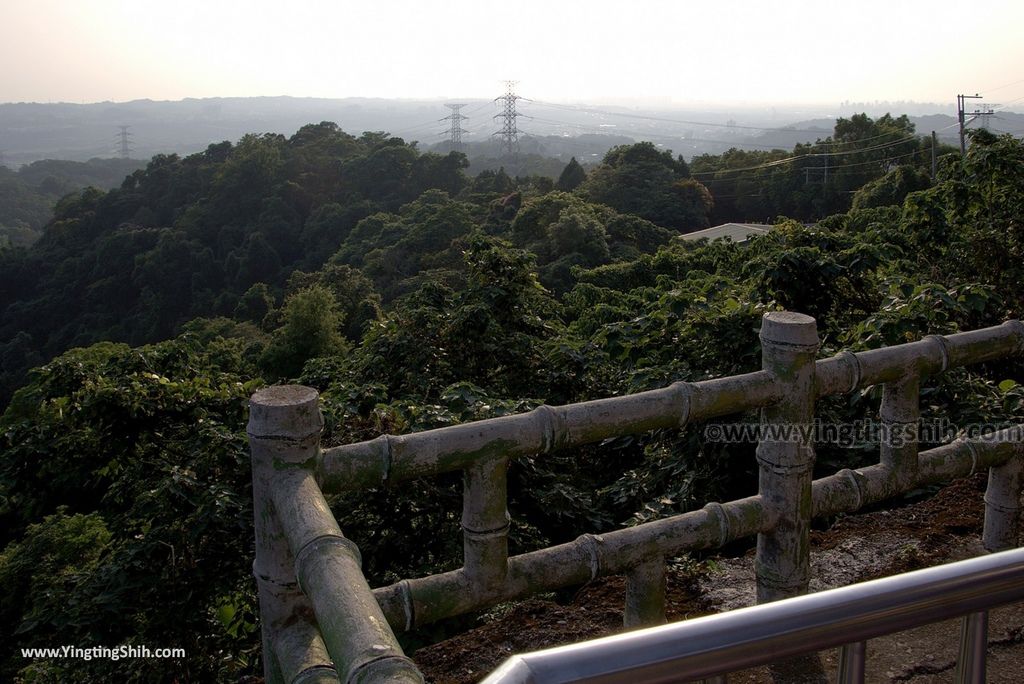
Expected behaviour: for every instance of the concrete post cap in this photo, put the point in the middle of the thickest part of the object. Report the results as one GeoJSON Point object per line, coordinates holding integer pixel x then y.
{"type": "Point", "coordinates": [789, 328]}
{"type": "Point", "coordinates": [285, 411]}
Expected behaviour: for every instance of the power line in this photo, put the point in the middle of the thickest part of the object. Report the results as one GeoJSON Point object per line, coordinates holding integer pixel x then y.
{"type": "Point", "coordinates": [1005, 85]}
{"type": "Point", "coordinates": [433, 122]}
{"type": "Point", "coordinates": [783, 129]}
{"type": "Point", "coordinates": [804, 156]}
{"type": "Point", "coordinates": [866, 163]}
{"type": "Point", "coordinates": [831, 167]}
{"type": "Point", "coordinates": [606, 131]}
{"type": "Point", "coordinates": [1006, 104]}
{"type": "Point", "coordinates": [409, 129]}
{"type": "Point", "coordinates": [826, 155]}
{"type": "Point", "coordinates": [594, 110]}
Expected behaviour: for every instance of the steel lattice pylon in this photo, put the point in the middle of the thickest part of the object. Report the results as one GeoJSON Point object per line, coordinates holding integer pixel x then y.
{"type": "Point", "coordinates": [509, 134]}
{"type": "Point", "coordinates": [456, 117]}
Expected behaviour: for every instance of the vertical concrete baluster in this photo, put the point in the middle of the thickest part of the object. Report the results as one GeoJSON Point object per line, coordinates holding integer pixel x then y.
{"type": "Point", "coordinates": [1002, 505]}
{"type": "Point", "coordinates": [284, 430]}
{"type": "Point", "coordinates": [789, 342]}
{"type": "Point", "coordinates": [900, 413]}
{"type": "Point", "coordinates": [485, 522]}
{"type": "Point", "coordinates": [645, 595]}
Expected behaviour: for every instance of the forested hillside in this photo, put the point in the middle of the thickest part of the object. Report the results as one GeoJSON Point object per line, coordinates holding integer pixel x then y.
{"type": "Point", "coordinates": [27, 196]}
{"type": "Point", "coordinates": [413, 296]}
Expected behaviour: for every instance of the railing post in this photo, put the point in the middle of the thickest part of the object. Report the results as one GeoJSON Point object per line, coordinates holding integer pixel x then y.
{"type": "Point", "coordinates": [1002, 505]}
{"type": "Point", "coordinates": [786, 459]}
{"type": "Point", "coordinates": [851, 663]}
{"type": "Point", "coordinates": [645, 595]}
{"type": "Point", "coordinates": [970, 663]}
{"type": "Point", "coordinates": [485, 522]}
{"type": "Point", "coordinates": [900, 414]}
{"type": "Point", "coordinates": [284, 428]}
{"type": "Point", "coordinates": [329, 569]}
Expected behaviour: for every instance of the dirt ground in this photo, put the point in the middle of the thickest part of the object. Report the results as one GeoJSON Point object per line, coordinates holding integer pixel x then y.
{"type": "Point", "coordinates": [943, 528]}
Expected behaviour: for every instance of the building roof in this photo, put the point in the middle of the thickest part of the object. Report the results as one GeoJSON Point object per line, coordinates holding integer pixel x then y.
{"type": "Point", "coordinates": [737, 232]}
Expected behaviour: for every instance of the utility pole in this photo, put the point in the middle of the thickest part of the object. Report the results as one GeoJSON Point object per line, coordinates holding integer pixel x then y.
{"type": "Point", "coordinates": [509, 134]}
{"type": "Point", "coordinates": [456, 117]}
{"type": "Point", "coordinates": [935, 159]}
{"type": "Point", "coordinates": [824, 180]}
{"type": "Point", "coordinates": [962, 117]}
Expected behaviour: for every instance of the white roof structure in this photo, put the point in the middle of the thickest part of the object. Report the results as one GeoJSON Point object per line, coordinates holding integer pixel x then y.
{"type": "Point", "coordinates": [737, 232]}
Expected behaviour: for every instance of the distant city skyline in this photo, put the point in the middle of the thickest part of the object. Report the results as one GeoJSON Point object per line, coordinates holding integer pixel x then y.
{"type": "Point", "coordinates": [668, 53]}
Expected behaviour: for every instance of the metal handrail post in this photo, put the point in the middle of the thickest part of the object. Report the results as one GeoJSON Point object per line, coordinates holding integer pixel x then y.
{"type": "Point", "coordinates": [851, 663]}
{"type": "Point", "coordinates": [970, 665]}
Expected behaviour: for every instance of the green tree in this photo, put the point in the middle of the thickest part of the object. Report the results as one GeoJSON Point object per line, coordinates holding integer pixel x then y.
{"type": "Point", "coordinates": [311, 328]}
{"type": "Point", "coordinates": [571, 177]}
{"type": "Point", "coordinates": [355, 294]}
{"type": "Point", "coordinates": [255, 304]}
{"type": "Point", "coordinates": [639, 179]}
{"type": "Point", "coordinates": [892, 188]}
{"type": "Point", "coordinates": [392, 249]}
{"type": "Point", "coordinates": [488, 333]}
{"type": "Point", "coordinates": [695, 204]}
{"type": "Point", "coordinates": [564, 231]}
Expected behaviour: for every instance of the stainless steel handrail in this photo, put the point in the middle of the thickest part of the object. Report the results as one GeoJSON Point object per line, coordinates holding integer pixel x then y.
{"type": "Point", "coordinates": [748, 637]}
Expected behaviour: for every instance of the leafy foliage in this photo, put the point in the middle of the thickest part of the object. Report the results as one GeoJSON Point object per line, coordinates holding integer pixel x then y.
{"type": "Point", "coordinates": [124, 489]}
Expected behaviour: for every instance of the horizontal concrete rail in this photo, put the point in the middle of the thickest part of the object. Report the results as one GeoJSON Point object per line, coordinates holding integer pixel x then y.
{"type": "Point", "coordinates": [393, 458]}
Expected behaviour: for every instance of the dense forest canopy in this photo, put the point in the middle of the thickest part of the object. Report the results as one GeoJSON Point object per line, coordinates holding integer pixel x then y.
{"type": "Point", "coordinates": [27, 196]}
{"type": "Point", "coordinates": [413, 296]}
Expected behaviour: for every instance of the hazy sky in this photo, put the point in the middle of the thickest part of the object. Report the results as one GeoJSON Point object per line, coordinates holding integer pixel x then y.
{"type": "Point", "coordinates": [739, 51]}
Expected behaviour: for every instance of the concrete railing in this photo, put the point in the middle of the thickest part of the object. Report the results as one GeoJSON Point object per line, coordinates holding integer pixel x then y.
{"type": "Point", "coordinates": [322, 622]}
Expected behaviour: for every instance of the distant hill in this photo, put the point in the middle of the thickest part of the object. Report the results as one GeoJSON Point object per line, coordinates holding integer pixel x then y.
{"type": "Point", "coordinates": [27, 196]}
{"type": "Point", "coordinates": [943, 124]}
{"type": "Point", "coordinates": [33, 131]}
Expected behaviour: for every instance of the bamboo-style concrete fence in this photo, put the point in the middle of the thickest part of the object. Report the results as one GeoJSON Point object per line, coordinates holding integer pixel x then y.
{"type": "Point", "coordinates": [321, 622]}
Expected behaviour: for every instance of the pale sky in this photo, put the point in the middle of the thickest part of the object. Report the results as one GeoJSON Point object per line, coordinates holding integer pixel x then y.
{"type": "Point", "coordinates": [678, 51]}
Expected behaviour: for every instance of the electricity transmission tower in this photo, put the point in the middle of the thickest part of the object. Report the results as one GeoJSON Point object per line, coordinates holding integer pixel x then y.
{"type": "Point", "coordinates": [509, 134]}
{"type": "Point", "coordinates": [456, 117]}
{"type": "Point", "coordinates": [962, 117]}
{"type": "Point", "coordinates": [124, 139]}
